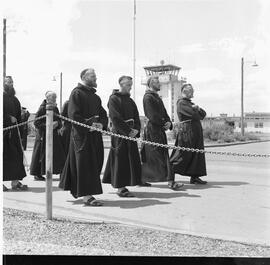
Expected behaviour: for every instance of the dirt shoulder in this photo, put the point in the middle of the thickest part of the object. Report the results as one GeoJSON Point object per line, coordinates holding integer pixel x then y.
{"type": "Point", "coordinates": [27, 233]}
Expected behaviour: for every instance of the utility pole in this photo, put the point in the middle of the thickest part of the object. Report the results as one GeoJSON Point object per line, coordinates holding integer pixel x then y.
{"type": "Point", "coordinates": [242, 97]}
{"type": "Point", "coordinates": [54, 79]}
{"type": "Point", "coordinates": [134, 50]}
{"type": "Point", "coordinates": [61, 86]}
{"type": "Point", "coordinates": [254, 64]}
{"type": "Point", "coordinates": [4, 48]}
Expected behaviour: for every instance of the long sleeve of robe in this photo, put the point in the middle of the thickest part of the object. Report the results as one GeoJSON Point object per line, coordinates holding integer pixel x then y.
{"type": "Point", "coordinates": [185, 108]}
{"type": "Point", "coordinates": [103, 118]}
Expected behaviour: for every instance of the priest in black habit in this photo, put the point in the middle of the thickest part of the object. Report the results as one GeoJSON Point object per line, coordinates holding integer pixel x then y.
{"type": "Point", "coordinates": [190, 135]}
{"type": "Point", "coordinates": [123, 166]}
{"type": "Point", "coordinates": [155, 160]}
{"type": "Point", "coordinates": [37, 167]}
{"type": "Point", "coordinates": [13, 168]}
{"type": "Point", "coordinates": [81, 173]}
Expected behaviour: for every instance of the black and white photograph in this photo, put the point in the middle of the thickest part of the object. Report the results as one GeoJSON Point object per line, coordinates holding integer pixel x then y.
{"type": "Point", "coordinates": [136, 129]}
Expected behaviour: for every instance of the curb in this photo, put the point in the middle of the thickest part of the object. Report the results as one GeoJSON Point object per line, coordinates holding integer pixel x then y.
{"type": "Point", "coordinates": [206, 146]}
{"type": "Point", "coordinates": [237, 143]}
{"type": "Point", "coordinates": [106, 219]}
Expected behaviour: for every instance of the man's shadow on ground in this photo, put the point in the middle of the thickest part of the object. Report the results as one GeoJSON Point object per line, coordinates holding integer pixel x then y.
{"type": "Point", "coordinates": [41, 189]}
{"type": "Point", "coordinates": [162, 195]}
{"type": "Point", "coordinates": [209, 185]}
{"type": "Point", "coordinates": [132, 203]}
{"type": "Point", "coordinates": [124, 204]}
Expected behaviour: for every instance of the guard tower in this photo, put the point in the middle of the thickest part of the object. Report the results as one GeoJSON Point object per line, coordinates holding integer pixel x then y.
{"type": "Point", "coordinates": [170, 85]}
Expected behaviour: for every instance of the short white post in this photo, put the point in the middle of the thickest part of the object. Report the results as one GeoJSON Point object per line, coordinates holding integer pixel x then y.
{"type": "Point", "coordinates": [49, 159]}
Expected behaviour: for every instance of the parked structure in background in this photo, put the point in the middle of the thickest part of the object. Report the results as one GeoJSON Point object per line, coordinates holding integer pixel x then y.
{"type": "Point", "coordinates": [170, 85]}
{"type": "Point", "coordinates": [253, 121]}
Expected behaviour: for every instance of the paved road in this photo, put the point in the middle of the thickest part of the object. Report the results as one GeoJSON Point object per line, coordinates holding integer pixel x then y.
{"type": "Point", "coordinates": [235, 205]}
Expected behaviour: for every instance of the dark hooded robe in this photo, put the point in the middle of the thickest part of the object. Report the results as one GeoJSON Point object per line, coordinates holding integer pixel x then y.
{"type": "Point", "coordinates": [13, 168]}
{"type": "Point", "coordinates": [190, 134]}
{"type": "Point", "coordinates": [24, 117]}
{"type": "Point", "coordinates": [155, 160]}
{"type": "Point", "coordinates": [123, 167]}
{"type": "Point", "coordinates": [66, 129]}
{"type": "Point", "coordinates": [81, 173]}
{"type": "Point", "coordinates": [37, 167]}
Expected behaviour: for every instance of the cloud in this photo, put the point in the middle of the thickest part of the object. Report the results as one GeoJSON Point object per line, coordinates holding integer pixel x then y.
{"type": "Point", "coordinates": [232, 47]}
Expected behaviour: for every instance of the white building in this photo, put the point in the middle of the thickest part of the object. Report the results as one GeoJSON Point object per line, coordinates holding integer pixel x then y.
{"type": "Point", "coordinates": [255, 122]}
{"type": "Point", "coordinates": [170, 88]}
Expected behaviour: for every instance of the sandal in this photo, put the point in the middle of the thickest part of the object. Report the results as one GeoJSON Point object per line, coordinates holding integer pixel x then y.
{"type": "Point", "coordinates": [175, 186]}
{"type": "Point", "coordinates": [125, 193]}
{"type": "Point", "coordinates": [93, 202]}
{"type": "Point", "coordinates": [19, 187]}
{"type": "Point", "coordinates": [5, 188]}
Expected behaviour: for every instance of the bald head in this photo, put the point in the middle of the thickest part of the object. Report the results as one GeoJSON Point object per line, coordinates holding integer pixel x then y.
{"type": "Point", "coordinates": [50, 97]}
{"type": "Point", "coordinates": [88, 76]}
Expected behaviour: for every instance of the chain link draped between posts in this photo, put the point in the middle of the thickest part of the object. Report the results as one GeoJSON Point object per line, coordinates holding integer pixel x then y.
{"type": "Point", "coordinates": [22, 123]}
{"type": "Point", "coordinates": [141, 141]}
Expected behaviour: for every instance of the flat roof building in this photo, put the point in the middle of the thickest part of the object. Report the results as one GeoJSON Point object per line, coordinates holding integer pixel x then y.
{"type": "Point", "coordinates": [256, 122]}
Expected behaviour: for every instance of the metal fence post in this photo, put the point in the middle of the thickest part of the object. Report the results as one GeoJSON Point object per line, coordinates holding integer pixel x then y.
{"type": "Point", "coordinates": [49, 159]}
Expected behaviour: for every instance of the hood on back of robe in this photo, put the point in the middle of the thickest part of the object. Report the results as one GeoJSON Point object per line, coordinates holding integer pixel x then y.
{"type": "Point", "coordinates": [117, 92]}
{"type": "Point", "coordinates": [82, 86]}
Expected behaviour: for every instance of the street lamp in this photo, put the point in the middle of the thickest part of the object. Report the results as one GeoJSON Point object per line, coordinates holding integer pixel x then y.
{"type": "Point", "coordinates": [61, 85]}
{"type": "Point", "coordinates": [254, 64]}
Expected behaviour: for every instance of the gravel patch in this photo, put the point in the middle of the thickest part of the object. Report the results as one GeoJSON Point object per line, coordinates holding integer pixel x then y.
{"type": "Point", "coordinates": [29, 233]}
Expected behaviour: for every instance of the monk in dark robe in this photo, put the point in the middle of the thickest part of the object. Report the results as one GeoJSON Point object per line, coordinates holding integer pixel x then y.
{"type": "Point", "coordinates": [24, 117]}
{"type": "Point", "coordinates": [190, 135]}
{"type": "Point", "coordinates": [13, 168]}
{"type": "Point", "coordinates": [123, 167]}
{"type": "Point", "coordinates": [66, 129]}
{"type": "Point", "coordinates": [81, 173]}
{"type": "Point", "coordinates": [37, 167]}
{"type": "Point", "coordinates": [155, 160]}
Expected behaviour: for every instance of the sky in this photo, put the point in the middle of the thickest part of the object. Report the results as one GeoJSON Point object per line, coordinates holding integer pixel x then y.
{"type": "Point", "coordinates": [206, 38]}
